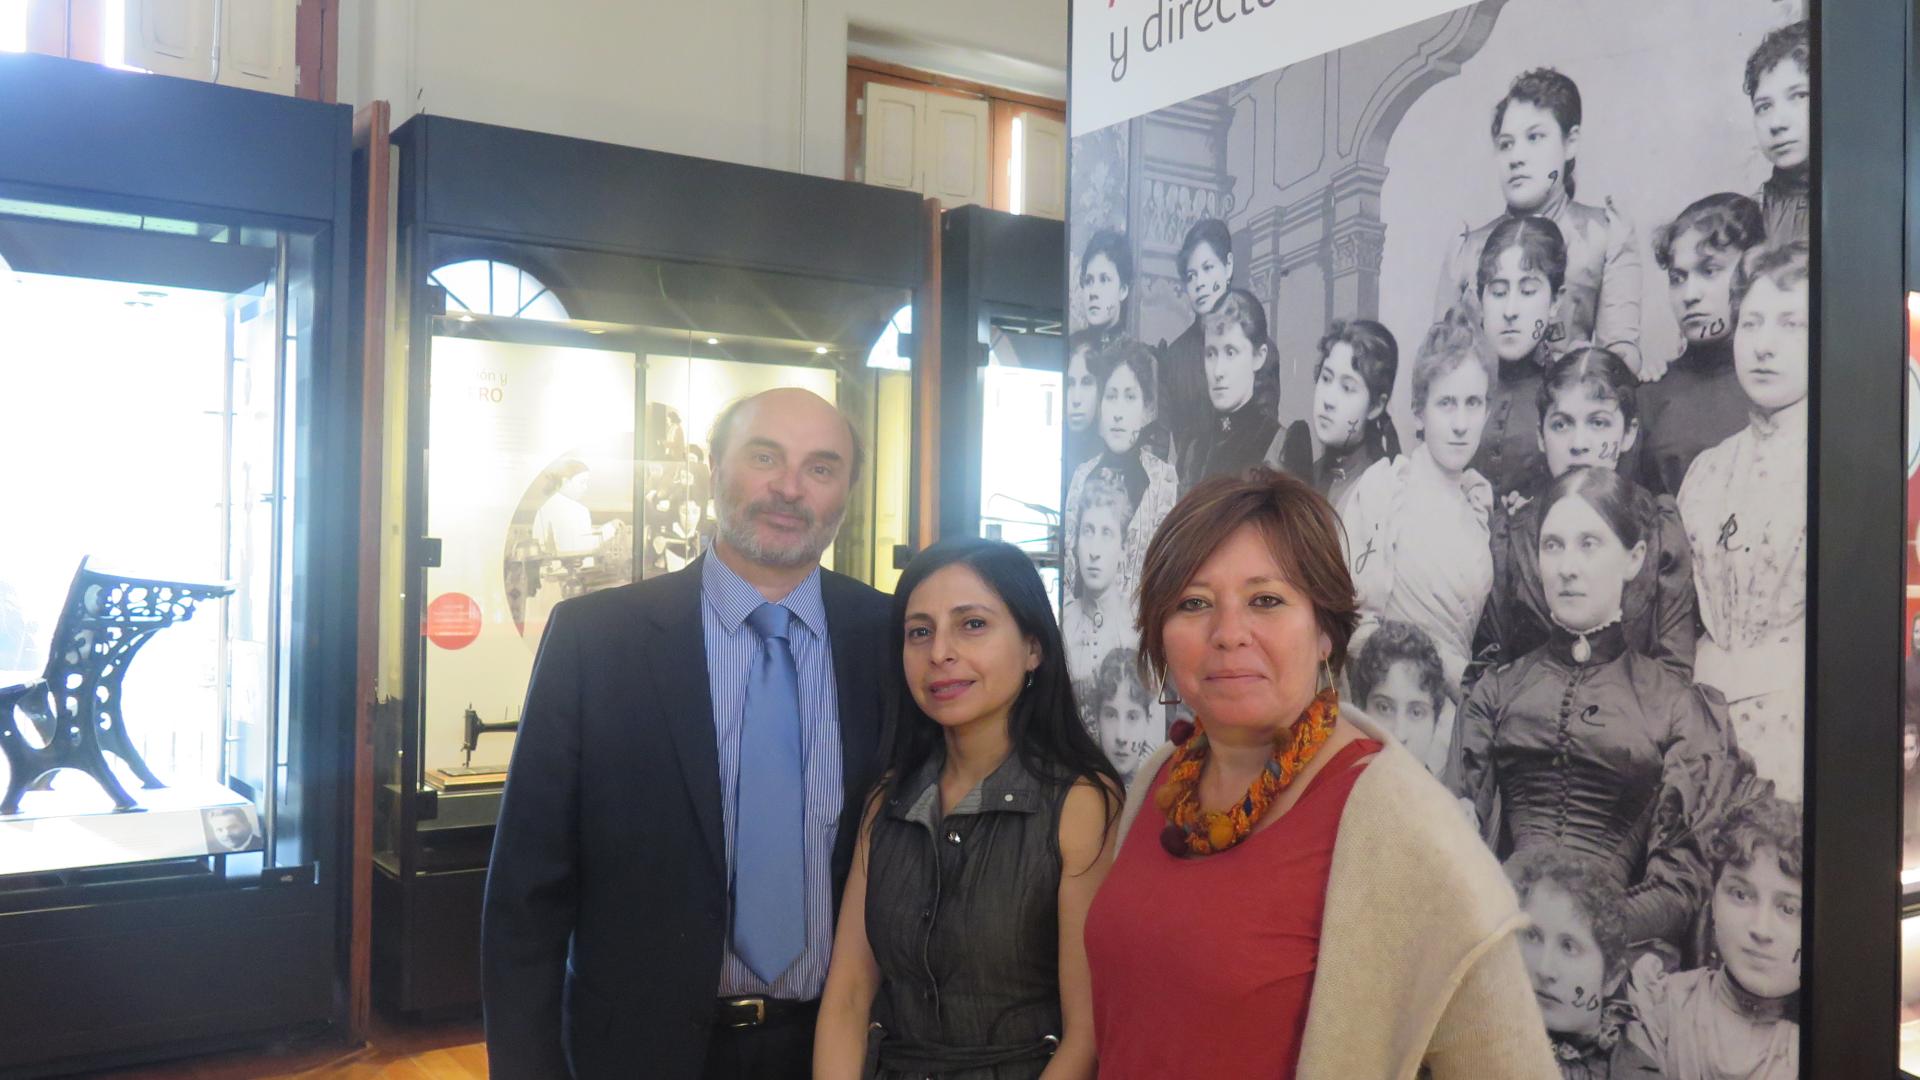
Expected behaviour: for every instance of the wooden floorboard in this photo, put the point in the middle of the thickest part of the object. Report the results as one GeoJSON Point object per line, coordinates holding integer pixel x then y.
{"type": "Point", "coordinates": [439, 1051]}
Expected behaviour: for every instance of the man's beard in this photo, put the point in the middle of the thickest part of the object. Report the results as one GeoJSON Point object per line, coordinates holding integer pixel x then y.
{"type": "Point", "coordinates": [736, 528]}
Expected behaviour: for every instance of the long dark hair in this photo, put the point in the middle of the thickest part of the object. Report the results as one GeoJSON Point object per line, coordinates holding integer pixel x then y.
{"type": "Point", "coordinates": [1044, 727]}
{"type": "Point", "coordinates": [1376, 359]}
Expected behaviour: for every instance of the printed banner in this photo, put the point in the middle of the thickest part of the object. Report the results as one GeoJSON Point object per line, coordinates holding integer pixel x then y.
{"type": "Point", "coordinates": [1133, 56]}
{"type": "Point", "coordinates": [1522, 288]}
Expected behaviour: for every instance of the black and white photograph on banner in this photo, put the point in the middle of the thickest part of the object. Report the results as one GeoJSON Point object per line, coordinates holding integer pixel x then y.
{"type": "Point", "coordinates": [1521, 287]}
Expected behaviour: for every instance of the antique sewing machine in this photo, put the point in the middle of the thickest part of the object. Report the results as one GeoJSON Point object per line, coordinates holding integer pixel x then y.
{"type": "Point", "coordinates": [467, 774]}
{"type": "Point", "coordinates": [477, 727]}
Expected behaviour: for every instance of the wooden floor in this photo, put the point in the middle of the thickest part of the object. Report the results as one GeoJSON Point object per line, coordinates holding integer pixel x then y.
{"type": "Point", "coordinates": [444, 1051]}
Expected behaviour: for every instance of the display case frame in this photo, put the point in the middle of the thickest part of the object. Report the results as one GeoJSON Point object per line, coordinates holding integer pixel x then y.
{"type": "Point", "coordinates": [567, 208]}
{"type": "Point", "coordinates": [1861, 60]}
{"type": "Point", "coordinates": [171, 963]}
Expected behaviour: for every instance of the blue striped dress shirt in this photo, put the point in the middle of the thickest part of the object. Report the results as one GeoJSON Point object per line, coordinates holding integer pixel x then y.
{"type": "Point", "coordinates": [731, 648]}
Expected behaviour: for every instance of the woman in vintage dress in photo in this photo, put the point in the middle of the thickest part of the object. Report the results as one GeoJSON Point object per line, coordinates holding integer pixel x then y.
{"type": "Point", "coordinates": [1587, 746]}
{"type": "Point", "coordinates": [1588, 420]}
{"type": "Point", "coordinates": [1744, 505]}
{"type": "Point", "coordinates": [1536, 138]}
{"type": "Point", "coordinates": [1698, 402]}
{"type": "Point", "coordinates": [1243, 392]}
{"type": "Point", "coordinates": [1128, 404]}
{"type": "Point", "coordinates": [1739, 1016]}
{"type": "Point", "coordinates": [1576, 953]}
{"type": "Point", "coordinates": [1082, 393]}
{"type": "Point", "coordinates": [1106, 283]}
{"type": "Point", "coordinates": [1416, 525]}
{"type": "Point", "coordinates": [1522, 272]}
{"type": "Point", "coordinates": [1205, 265]}
{"type": "Point", "coordinates": [1098, 615]}
{"type": "Point", "coordinates": [972, 968]}
{"type": "Point", "coordinates": [1348, 429]}
{"type": "Point", "coordinates": [1294, 894]}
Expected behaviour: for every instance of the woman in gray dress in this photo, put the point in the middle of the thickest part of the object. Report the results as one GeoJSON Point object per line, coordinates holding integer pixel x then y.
{"type": "Point", "coordinates": [959, 951]}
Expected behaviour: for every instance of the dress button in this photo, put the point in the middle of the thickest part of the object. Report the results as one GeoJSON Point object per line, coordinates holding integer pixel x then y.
{"type": "Point", "coordinates": [953, 837]}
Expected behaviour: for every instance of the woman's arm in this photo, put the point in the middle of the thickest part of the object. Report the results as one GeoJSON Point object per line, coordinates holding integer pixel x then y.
{"type": "Point", "coordinates": [1674, 601]}
{"type": "Point", "coordinates": [1087, 842]}
{"type": "Point", "coordinates": [853, 977]}
{"type": "Point", "coordinates": [1616, 318]}
{"type": "Point", "coordinates": [1492, 1029]}
{"type": "Point", "coordinates": [1700, 771]}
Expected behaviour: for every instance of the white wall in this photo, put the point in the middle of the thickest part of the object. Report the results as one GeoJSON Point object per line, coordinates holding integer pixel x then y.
{"type": "Point", "coordinates": [724, 79]}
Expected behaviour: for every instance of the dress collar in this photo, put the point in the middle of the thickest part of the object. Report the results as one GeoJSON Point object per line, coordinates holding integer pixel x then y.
{"type": "Point", "coordinates": [1752, 1005]}
{"type": "Point", "coordinates": [1473, 487]}
{"type": "Point", "coordinates": [1790, 422]}
{"type": "Point", "coordinates": [1790, 183]}
{"type": "Point", "coordinates": [1551, 209]}
{"type": "Point", "coordinates": [1341, 464]}
{"type": "Point", "coordinates": [1530, 366]}
{"type": "Point", "coordinates": [1707, 357]}
{"type": "Point", "coordinates": [1600, 646]}
{"type": "Point", "coordinates": [1010, 788]}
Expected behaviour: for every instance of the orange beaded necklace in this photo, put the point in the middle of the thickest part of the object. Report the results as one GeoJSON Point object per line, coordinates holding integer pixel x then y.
{"type": "Point", "coordinates": [1193, 831]}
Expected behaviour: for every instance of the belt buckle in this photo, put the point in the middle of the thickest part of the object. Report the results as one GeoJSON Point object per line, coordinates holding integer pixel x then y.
{"type": "Point", "coordinates": [759, 1005]}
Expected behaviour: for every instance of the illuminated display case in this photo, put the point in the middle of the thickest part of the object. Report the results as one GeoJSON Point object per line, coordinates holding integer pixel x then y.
{"type": "Point", "coordinates": [1003, 358]}
{"type": "Point", "coordinates": [563, 357]}
{"type": "Point", "coordinates": [175, 575]}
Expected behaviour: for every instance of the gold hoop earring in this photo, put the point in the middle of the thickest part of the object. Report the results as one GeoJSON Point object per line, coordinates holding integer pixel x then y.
{"type": "Point", "coordinates": [1168, 695]}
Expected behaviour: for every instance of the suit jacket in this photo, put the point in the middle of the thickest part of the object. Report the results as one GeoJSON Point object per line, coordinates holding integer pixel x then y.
{"type": "Point", "coordinates": [606, 903]}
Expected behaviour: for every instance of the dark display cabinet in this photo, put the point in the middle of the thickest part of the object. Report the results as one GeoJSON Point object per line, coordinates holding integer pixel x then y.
{"type": "Point", "coordinates": [1003, 368]}
{"type": "Point", "coordinates": [178, 438]}
{"type": "Point", "coordinates": [571, 318]}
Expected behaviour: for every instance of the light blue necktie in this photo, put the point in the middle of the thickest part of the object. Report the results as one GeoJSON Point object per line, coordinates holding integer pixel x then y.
{"type": "Point", "coordinates": [770, 875]}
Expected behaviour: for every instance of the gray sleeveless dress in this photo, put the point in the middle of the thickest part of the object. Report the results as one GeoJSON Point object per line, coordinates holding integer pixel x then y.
{"type": "Point", "coordinates": [963, 917]}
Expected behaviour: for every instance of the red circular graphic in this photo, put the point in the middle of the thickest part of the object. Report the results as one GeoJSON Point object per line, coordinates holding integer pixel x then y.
{"type": "Point", "coordinates": [453, 620]}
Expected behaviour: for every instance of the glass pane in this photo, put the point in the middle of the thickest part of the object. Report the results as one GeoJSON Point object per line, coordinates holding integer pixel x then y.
{"type": "Point", "coordinates": [530, 488]}
{"type": "Point", "coordinates": [143, 421]}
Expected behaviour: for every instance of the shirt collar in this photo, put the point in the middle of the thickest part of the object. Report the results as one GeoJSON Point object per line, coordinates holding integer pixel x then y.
{"type": "Point", "coordinates": [733, 599]}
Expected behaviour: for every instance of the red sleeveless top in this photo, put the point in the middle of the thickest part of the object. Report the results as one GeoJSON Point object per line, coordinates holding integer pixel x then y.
{"type": "Point", "coordinates": [1204, 966]}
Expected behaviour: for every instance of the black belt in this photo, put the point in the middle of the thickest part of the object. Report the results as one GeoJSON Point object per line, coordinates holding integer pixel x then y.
{"type": "Point", "coordinates": [753, 1012]}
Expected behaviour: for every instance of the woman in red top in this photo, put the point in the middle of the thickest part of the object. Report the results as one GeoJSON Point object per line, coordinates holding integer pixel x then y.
{"type": "Point", "coordinates": [1206, 940]}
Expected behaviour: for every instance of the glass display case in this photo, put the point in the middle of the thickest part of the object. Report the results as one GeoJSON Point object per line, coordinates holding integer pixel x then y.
{"type": "Point", "coordinates": [1003, 369]}
{"type": "Point", "coordinates": [555, 406]}
{"type": "Point", "coordinates": [155, 585]}
{"type": "Point", "coordinates": [175, 575]}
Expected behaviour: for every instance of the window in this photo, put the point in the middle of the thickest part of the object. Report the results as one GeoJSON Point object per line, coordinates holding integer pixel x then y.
{"type": "Point", "coordinates": [489, 287]}
{"type": "Point", "coordinates": [13, 26]}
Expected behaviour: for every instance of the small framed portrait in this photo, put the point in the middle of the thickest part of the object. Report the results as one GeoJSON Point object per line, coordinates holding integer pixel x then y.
{"type": "Point", "coordinates": [231, 829]}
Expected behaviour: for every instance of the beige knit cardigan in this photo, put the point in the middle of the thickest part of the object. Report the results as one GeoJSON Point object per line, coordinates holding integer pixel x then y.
{"type": "Point", "coordinates": [1419, 966]}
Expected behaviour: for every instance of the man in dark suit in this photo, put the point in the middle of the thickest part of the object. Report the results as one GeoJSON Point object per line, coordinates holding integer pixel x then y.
{"type": "Point", "coordinates": [680, 812]}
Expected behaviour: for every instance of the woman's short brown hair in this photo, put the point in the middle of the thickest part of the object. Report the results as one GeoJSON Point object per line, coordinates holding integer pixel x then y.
{"type": "Point", "coordinates": [1300, 528]}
